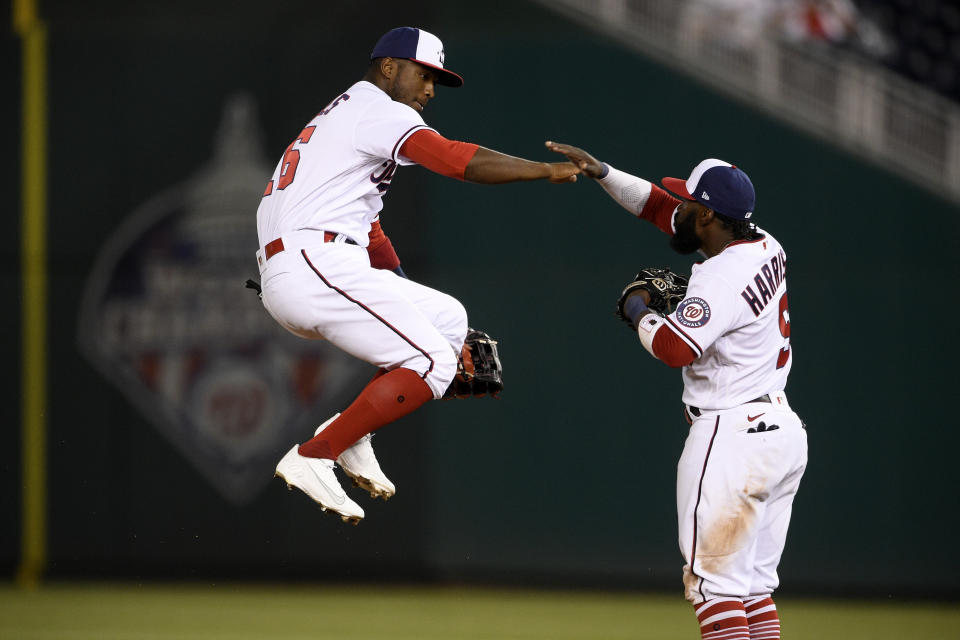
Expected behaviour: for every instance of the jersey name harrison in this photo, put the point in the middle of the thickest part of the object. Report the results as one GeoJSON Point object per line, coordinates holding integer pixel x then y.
{"type": "Point", "coordinates": [768, 279]}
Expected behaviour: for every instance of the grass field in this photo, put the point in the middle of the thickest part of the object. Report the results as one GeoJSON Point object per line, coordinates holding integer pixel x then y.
{"type": "Point", "coordinates": [241, 612]}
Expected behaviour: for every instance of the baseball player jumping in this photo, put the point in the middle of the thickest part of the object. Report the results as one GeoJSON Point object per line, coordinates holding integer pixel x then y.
{"type": "Point", "coordinates": [328, 271]}
{"type": "Point", "coordinates": [730, 332]}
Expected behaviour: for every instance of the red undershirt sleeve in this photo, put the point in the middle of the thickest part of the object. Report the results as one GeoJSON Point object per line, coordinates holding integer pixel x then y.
{"type": "Point", "coordinates": [659, 209]}
{"type": "Point", "coordinates": [381, 251]}
{"type": "Point", "coordinates": [668, 347]}
{"type": "Point", "coordinates": [431, 150]}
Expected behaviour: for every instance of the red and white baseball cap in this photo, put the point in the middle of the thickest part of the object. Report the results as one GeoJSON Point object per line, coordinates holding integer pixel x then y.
{"type": "Point", "coordinates": [718, 185]}
{"type": "Point", "coordinates": [417, 45]}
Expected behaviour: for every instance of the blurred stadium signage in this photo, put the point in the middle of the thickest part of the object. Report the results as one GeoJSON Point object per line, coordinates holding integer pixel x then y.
{"type": "Point", "coordinates": [165, 316]}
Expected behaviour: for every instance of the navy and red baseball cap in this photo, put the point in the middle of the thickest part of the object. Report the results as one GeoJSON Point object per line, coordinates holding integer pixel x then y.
{"type": "Point", "coordinates": [718, 185]}
{"type": "Point", "coordinates": [420, 46]}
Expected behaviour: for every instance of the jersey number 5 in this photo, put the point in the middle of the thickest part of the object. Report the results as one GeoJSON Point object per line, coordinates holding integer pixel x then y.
{"type": "Point", "coordinates": [784, 356]}
{"type": "Point", "coordinates": [291, 158]}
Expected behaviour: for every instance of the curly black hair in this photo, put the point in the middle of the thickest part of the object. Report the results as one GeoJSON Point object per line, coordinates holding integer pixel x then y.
{"type": "Point", "coordinates": [741, 229]}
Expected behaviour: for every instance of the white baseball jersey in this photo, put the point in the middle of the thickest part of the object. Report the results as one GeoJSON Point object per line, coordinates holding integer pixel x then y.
{"type": "Point", "coordinates": [334, 175]}
{"type": "Point", "coordinates": [735, 319]}
{"type": "Point", "coordinates": [332, 178]}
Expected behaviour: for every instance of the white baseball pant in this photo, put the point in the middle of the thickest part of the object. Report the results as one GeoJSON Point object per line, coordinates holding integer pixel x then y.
{"type": "Point", "coordinates": [736, 481]}
{"type": "Point", "coordinates": [328, 290]}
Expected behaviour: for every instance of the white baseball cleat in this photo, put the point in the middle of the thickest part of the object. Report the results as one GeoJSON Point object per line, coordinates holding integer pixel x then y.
{"type": "Point", "coordinates": [360, 463]}
{"type": "Point", "coordinates": [315, 477]}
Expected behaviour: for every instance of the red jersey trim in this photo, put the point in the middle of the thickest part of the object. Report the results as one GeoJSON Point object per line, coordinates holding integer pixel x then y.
{"type": "Point", "coordinates": [431, 150]}
{"type": "Point", "coordinates": [736, 242]}
{"type": "Point", "coordinates": [398, 148]}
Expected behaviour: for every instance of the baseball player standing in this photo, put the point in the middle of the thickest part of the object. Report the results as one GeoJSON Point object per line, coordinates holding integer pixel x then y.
{"type": "Point", "coordinates": [746, 450]}
{"type": "Point", "coordinates": [328, 271]}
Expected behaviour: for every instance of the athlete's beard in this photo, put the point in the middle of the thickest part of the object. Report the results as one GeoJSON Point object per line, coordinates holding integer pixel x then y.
{"type": "Point", "coordinates": [685, 239]}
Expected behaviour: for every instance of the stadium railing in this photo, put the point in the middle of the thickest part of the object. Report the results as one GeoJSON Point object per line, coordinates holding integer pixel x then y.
{"type": "Point", "coordinates": [840, 97]}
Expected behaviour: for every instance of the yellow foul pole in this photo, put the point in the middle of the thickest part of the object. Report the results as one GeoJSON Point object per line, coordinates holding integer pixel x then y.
{"type": "Point", "coordinates": [33, 36]}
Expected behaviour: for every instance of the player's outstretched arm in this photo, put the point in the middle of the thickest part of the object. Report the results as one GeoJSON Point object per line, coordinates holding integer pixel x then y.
{"type": "Point", "coordinates": [492, 167]}
{"type": "Point", "coordinates": [638, 196]}
{"type": "Point", "coordinates": [590, 166]}
{"type": "Point", "coordinates": [471, 162]}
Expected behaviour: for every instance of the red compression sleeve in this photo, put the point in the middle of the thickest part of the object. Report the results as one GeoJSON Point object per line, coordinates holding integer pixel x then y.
{"type": "Point", "coordinates": [668, 347]}
{"type": "Point", "coordinates": [659, 209]}
{"type": "Point", "coordinates": [431, 150]}
{"type": "Point", "coordinates": [385, 398]}
{"type": "Point", "coordinates": [381, 251]}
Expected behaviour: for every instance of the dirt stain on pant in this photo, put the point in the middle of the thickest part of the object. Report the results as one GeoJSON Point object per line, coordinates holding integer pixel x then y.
{"type": "Point", "coordinates": [719, 540]}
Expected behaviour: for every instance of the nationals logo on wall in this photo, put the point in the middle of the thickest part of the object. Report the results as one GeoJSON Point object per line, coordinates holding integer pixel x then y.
{"type": "Point", "coordinates": [165, 316]}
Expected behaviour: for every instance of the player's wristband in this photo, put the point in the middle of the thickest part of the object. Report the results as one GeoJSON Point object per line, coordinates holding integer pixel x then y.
{"type": "Point", "coordinates": [399, 272]}
{"type": "Point", "coordinates": [634, 306]}
{"type": "Point", "coordinates": [606, 170]}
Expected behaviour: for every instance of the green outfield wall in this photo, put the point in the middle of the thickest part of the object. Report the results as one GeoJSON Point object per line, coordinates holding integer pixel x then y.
{"type": "Point", "coordinates": [160, 124]}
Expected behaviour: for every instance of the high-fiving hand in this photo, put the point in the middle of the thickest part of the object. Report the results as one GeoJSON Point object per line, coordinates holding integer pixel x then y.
{"type": "Point", "coordinates": [590, 166]}
{"type": "Point", "coordinates": [563, 172]}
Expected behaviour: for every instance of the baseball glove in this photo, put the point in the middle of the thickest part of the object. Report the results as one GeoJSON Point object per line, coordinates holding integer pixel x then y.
{"type": "Point", "coordinates": [478, 371]}
{"type": "Point", "coordinates": [665, 287]}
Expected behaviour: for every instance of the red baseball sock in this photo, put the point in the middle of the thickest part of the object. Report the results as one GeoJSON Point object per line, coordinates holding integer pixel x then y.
{"type": "Point", "coordinates": [722, 619]}
{"type": "Point", "coordinates": [762, 618]}
{"type": "Point", "coordinates": [385, 398]}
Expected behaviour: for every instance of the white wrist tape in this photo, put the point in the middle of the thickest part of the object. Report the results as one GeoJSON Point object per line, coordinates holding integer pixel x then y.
{"type": "Point", "coordinates": [647, 328]}
{"type": "Point", "coordinates": [630, 191]}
